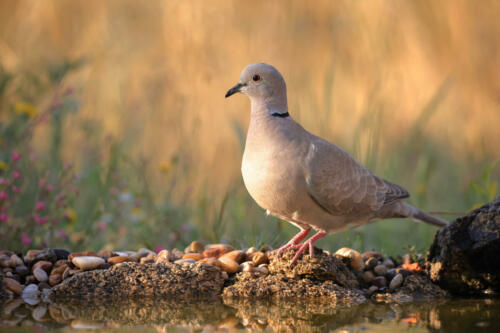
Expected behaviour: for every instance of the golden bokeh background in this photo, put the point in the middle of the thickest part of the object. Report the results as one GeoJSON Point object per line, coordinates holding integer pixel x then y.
{"type": "Point", "coordinates": [157, 71]}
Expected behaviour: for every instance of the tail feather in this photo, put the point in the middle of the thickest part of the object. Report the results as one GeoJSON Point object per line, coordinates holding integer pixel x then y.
{"type": "Point", "coordinates": [415, 213]}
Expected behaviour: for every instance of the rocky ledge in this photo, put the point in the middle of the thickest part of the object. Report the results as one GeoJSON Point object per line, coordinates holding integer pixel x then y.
{"type": "Point", "coordinates": [464, 257]}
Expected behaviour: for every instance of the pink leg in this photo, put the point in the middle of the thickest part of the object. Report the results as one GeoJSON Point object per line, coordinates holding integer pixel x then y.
{"type": "Point", "coordinates": [310, 242]}
{"type": "Point", "coordinates": [293, 242]}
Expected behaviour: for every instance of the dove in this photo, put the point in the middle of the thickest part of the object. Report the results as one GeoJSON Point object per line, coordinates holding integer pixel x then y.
{"type": "Point", "coordinates": [304, 179]}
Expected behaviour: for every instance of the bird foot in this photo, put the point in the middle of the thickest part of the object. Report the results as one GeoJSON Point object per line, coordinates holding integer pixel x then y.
{"type": "Point", "coordinates": [309, 243]}
{"type": "Point", "coordinates": [293, 243]}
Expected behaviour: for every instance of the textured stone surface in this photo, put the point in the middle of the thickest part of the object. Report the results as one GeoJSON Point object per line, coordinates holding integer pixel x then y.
{"type": "Point", "coordinates": [134, 279]}
{"type": "Point", "coordinates": [464, 257]}
{"type": "Point", "coordinates": [322, 266]}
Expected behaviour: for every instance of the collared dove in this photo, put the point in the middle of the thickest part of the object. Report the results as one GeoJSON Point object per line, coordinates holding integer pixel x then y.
{"type": "Point", "coordinates": [304, 179]}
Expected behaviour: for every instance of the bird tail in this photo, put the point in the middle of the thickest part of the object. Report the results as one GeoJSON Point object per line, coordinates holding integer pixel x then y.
{"type": "Point", "coordinates": [417, 214]}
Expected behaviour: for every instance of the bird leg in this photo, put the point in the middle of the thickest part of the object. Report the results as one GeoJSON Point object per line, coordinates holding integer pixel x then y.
{"type": "Point", "coordinates": [310, 242]}
{"type": "Point", "coordinates": [293, 242]}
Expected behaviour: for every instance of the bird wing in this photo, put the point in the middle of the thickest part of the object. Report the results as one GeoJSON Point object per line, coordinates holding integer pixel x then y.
{"type": "Point", "coordinates": [342, 186]}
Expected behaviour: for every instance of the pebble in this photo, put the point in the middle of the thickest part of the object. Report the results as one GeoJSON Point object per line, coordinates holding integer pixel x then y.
{"type": "Point", "coordinates": [30, 279]}
{"type": "Point", "coordinates": [216, 250]}
{"type": "Point", "coordinates": [13, 285]}
{"type": "Point", "coordinates": [370, 263]}
{"type": "Point", "coordinates": [30, 294]}
{"type": "Point", "coordinates": [368, 276]}
{"type": "Point", "coordinates": [380, 281]}
{"type": "Point", "coordinates": [65, 274]}
{"type": "Point", "coordinates": [61, 254]}
{"type": "Point", "coordinates": [390, 273]}
{"type": "Point", "coordinates": [380, 270]}
{"type": "Point", "coordinates": [247, 266]}
{"type": "Point", "coordinates": [184, 261]}
{"type": "Point", "coordinates": [40, 274]}
{"type": "Point", "coordinates": [164, 256]}
{"type": "Point", "coordinates": [371, 290]}
{"type": "Point", "coordinates": [30, 256]}
{"type": "Point", "coordinates": [120, 259]}
{"type": "Point", "coordinates": [193, 255]}
{"type": "Point", "coordinates": [236, 255]}
{"type": "Point", "coordinates": [105, 253]}
{"type": "Point", "coordinates": [228, 265]}
{"type": "Point", "coordinates": [396, 282]}
{"type": "Point", "coordinates": [55, 279]}
{"type": "Point", "coordinates": [266, 248]}
{"type": "Point", "coordinates": [371, 254]}
{"type": "Point", "coordinates": [148, 259]}
{"type": "Point", "coordinates": [43, 264]}
{"type": "Point", "coordinates": [209, 261]}
{"type": "Point", "coordinates": [259, 258]}
{"type": "Point", "coordinates": [62, 262]}
{"type": "Point", "coordinates": [22, 270]}
{"type": "Point", "coordinates": [355, 258]}
{"type": "Point", "coordinates": [195, 247]}
{"type": "Point", "coordinates": [15, 261]}
{"type": "Point", "coordinates": [43, 285]}
{"type": "Point", "coordinates": [388, 263]}
{"type": "Point", "coordinates": [39, 312]}
{"type": "Point", "coordinates": [261, 269]}
{"type": "Point", "coordinates": [406, 259]}
{"type": "Point", "coordinates": [46, 255]}
{"type": "Point", "coordinates": [82, 254]}
{"type": "Point", "coordinates": [59, 270]}
{"type": "Point", "coordinates": [403, 271]}
{"type": "Point", "coordinates": [87, 262]}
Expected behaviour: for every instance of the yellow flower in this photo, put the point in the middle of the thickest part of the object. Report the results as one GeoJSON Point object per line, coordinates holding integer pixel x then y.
{"type": "Point", "coordinates": [25, 108]}
{"type": "Point", "coordinates": [165, 166]}
{"type": "Point", "coordinates": [70, 214]}
{"type": "Point", "coordinates": [3, 166]}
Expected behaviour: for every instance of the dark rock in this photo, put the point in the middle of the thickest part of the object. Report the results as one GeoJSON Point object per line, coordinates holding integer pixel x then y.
{"type": "Point", "coordinates": [281, 286]}
{"type": "Point", "coordinates": [61, 254]}
{"type": "Point", "coordinates": [137, 280]}
{"type": "Point", "coordinates": [321, 267]}
{"type": "Point", "coordinates": [419, 287]}
{"type": "Point", "coordinates": [3, 294]}
{"type": "Point", "coordinates": [47, 255]}
{"type": "Point", "coordinates": [380, 281]}
{"type": "Point", "coordinates": [464, 257]}
{"type": "Point", "coordinates": [22, 270]}
{"type": "Point", "coordinates": [370, 263]}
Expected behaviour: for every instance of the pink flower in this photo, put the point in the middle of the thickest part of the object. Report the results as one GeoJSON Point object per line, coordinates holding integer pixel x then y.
{"type": "Point", "coordinates": [40, 220]}
{"type": "Point", "coordinates": [3, 181]}
{"type": "Point", "coordinates": [16, 156]}
{"type": "Point", "coordinates": [159, 248]}
{"type": "Point", "coordinates": [61, 233]}
{"type": "Point", "coordinates": [101, 225]}
{"type": "Point", "coordinates": [16, 174]}
{"type": "Point", "coordinates": [40, 206]}
{"type": "Point", "coordinates": [49, 188]}
{"type": "Point", "coordinates": [41, 182]}
{"type": "Point", "coordinates": [25, 239]}
{"type": "Point", "coordinates": [4, 195]}
{"type": "Point", "coordinates": [4, 217]}
{"type": "Point", "coordinates": [16, 189]}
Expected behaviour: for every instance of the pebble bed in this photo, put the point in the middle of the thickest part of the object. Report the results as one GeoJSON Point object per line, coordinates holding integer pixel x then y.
{"type": "Point", "coordinates": [26, 276]}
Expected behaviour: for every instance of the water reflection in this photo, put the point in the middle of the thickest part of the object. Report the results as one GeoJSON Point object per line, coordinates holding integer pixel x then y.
{"type": "Point", "coordinates": [233, 315]}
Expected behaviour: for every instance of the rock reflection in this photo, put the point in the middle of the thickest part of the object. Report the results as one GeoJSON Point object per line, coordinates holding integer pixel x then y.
{"type": "Point", "coordinates": [236, 314]}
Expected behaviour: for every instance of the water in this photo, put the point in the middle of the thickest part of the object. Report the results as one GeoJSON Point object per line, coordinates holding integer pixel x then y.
{"type": "Point", "coordinates": [147, 315]}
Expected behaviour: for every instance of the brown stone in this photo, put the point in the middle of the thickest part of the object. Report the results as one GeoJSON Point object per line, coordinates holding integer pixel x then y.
{"type": "Point", "coordinates": [82, 254]}
{"type": "Point", "coordinates": [59, 270]}
{"type": "Point", "coordinates": [195, 247]}
{"type": "Point", "coordinates": [45, 265]}
{"type": "Point", "coordinates": [40, 274]}
{"type": "Point", "coordinates": [194, 255]}
{"type": "Point", "coordinates": [209, 261]}
{"type": "Point", "coordinates": [55, 279]}
{"type": "Point", "coordinates": [228, 265]}
{"type": "Point", "coordinates": [120, 259]}
{"type": "Point", "coordinates": [164, 256]}
{"type": "Point", "coordinates": [13, 285]}
{"type": "Point", "coordinates": [259, 258]}
{"type": "Point", "coordinates": [236, 255]}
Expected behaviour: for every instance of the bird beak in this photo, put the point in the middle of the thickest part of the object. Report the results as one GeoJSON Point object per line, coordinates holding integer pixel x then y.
{"type": "Point", "coordinates": [235, 89]}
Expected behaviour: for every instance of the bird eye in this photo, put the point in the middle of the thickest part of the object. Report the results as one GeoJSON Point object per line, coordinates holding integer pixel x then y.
{"type": "Point", "coordinates": [256, 77]}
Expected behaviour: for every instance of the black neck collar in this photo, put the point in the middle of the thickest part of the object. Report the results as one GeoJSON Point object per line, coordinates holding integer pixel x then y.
{"type": "Point", "coordinates": [280, 115]}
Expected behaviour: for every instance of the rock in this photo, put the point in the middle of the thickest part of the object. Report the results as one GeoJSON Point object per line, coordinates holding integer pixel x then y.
{"type": "Point", "coordinates": [371, 290]}
{"type": "Point", "coordinates": [16, 261]}
{"type": "Point", "coordinates": [40, 275]}
{"type": "Point", "coordinates": [46, 255]}
{"type": "Point", "coordinates": [81, 254]}
{"type": "Point", "coordinates": [259, 258]}
{"type": "Point", "coordinates": [236, 255]}
{"type": "Point", "coordinates": [281, 286]}
{"type": "Point", "coordinates": [59, 270]}
{"type": "Point", "coordinates": [406, 259]}
{"type": "Point", "coordinates": [396, 282]}
{"type": "Point", "coordinates": [61, 254]}
{"type": "Point", "coordinates": [106, 254]}
{"type": "Point", "coordinates": [322, 266]}
{"type": "Point", "coordinates": [55, 279]}
{"type": "Point", "coordinates": [388, 263]}
{"type": "Point", "coordinates": [22, 270]}
{"type": "Point", "coordinates": [370, 263]}
{"type": "Point", "coordinates": [13, 286]}
{"type": "Point", "coordinates": [216, 250]}
{"type": "Point", "coordinates": [419, 287]}
{"type": "Point", "coordinates": [380, 281]}
{"type": "Point", "coordinates": [87, 262]}
{"type": "Point", "coordinates": [39, 312]}
{"type": "Point", "coordinates": [164, 256]}
{"type": "Point", "coordinates": [184, 261]}
{"type": "Point", "coordinates": [30, 294]}
{"type": "Point", "coordinates": [195, 247]}
{"type": "Point", "coordinates": [368, 276]}
{"type": "Point", "coordinates": [43, 264]}
{"type": "Point", "coordinates": [120, 259]}
{"type": "Point", "coordinates": [355, 258]}
{"type": "Point", "coordinates": [372, 254]}
{"type": "Point", "coordinates": [228, 265]}
{"type": "Point", "coordinates": [209, 261]}
{"type": "Point", "coordinates": [391, 273]}
{"type": "Point", "coordinates": [195, 256]}
{"type": "Point", "coordinates": [30, 256]}
{"type": "Point", "coordinates": [247, 266]}
{"type": "Point", "coordinates": [136, 280]}
{"type": "Point", "coordinates": [380, 270]}
{"type": "Point", "coordinates": [463, 258]}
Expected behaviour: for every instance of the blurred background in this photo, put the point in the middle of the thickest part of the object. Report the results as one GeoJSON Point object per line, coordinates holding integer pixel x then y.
{"type": "Point", "coordinates": [114, 130]}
